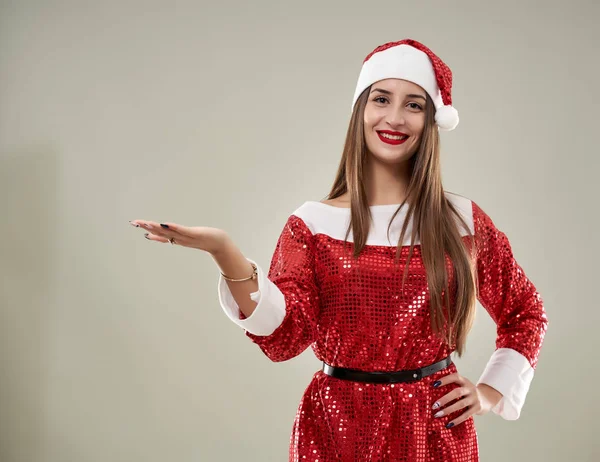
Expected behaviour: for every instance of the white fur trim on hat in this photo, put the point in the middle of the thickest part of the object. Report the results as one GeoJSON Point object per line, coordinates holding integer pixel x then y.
{"type": "Point", "coordinates": [408, 63]}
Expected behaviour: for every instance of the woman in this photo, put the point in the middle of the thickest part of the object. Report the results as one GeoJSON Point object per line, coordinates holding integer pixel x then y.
{"type": "Point", "coordinates": [381, 280]}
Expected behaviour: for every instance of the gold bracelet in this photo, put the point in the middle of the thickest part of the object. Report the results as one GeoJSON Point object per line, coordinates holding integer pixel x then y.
{"type": "Point", "coordinates": [254, 275]}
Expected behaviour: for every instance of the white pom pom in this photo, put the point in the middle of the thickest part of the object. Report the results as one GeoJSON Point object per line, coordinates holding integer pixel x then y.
{"type": "Point", "coordinates": [446, 117]}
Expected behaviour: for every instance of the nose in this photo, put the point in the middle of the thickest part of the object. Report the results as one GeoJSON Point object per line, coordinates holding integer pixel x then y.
{"type": "Point", "coordinates": [396, 118]}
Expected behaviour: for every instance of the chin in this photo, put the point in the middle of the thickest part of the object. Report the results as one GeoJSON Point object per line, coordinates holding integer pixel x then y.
{"type": "Point", "coordinates": [392, 159]}
{"type": "Point", "coordinates": [393, 155]}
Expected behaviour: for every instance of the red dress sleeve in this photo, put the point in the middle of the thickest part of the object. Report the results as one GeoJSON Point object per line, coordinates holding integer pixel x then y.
{"type": "Point", "coordinates": [506, 292]}
{"type": "Point", "coordinates": [284, 322]}
{"type": "Point", "coordinates": [516, 307]}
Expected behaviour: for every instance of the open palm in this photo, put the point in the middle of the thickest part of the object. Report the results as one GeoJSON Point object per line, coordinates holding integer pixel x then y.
{"type": "Point", "coordinates": [196, 237]}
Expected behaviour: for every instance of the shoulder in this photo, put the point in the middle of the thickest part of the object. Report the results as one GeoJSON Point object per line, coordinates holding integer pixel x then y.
{"type": "Point", "coordinates": [341, 201]}
{"type": "Point", "coordinates": [464, 207]}
{"type": "Point", "coordinates": [462, 203]}
{"type": "Point", "coordinates": [481, 222]}
{"type": "Point", "coordinates": [332, 217]}
{"type": "Point", "coordinates": [319, 215]}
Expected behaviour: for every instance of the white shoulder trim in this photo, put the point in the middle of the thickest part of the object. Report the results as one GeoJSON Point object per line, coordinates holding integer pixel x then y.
{"type": "Point", "coordinates": [333, 221]}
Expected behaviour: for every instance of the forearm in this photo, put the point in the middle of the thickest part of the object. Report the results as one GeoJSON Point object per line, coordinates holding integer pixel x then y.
{"type": "Point", "coordinates": [232, 263]}
{"type": "Point", "coordinates": [490, 395]}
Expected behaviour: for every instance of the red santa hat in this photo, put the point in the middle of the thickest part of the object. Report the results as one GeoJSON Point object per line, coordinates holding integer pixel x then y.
{"type": "Point", "coordinates": [410, 60]}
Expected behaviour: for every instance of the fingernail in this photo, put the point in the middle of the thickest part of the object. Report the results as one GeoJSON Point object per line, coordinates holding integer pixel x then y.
{"type": "Point", "coordinates": [164, 226]}
{"type": "Point", "coordinates": [435, 405]}
{"type": "Point", "coordinates": [146, 236]}
{"type": "Point", "coordinates": [439, 414]}
{"type": "Point", "coordinates": [134, 224]}
{"type": "Point", "coordinates": [437, 383]}
{"type": "Point", "coordinates": [450, 425]}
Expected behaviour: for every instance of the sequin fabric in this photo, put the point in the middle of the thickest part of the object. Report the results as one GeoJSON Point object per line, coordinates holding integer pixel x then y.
{"type": "Point", "coordinates": [506, 292]}
{"type": "Point", "coordinates": [354, 314]}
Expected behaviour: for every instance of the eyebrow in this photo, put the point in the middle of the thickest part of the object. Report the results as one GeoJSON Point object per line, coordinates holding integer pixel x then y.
{"type": "Point", "coordinates": [387, 92]}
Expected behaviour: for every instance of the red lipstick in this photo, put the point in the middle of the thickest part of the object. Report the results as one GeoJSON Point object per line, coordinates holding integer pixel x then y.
{"type": "Point", "coordinates": [391, 141]}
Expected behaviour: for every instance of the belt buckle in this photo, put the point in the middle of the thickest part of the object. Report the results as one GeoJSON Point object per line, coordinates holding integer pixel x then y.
{"type": "Point", "coordinates": [417, 374]}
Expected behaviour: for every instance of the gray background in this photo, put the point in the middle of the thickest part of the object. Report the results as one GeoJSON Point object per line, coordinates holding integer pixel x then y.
{"type": "Point", "coordinates": [114, 348]}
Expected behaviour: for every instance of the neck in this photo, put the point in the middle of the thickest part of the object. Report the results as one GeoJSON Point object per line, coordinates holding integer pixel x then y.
{"type": "Point", "coordinates": [386, 183]}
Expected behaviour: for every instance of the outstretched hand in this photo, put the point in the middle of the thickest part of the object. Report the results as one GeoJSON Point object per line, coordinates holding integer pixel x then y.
{"type": "Point", "coordinates": [475, 399]}
{"type": "Point", "coordinates": [198, 237]}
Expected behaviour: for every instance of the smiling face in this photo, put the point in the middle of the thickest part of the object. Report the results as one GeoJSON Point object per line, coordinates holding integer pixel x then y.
{"type": "Point", "coordinates": [394, 119]}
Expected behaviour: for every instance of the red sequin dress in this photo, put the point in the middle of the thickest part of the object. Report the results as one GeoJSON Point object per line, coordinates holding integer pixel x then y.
{"type": "Point", "coordinates": [355, 315]}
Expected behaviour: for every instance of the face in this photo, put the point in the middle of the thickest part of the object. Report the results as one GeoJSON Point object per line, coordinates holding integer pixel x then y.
{"type": "Point", "coordinates": [394, 119]}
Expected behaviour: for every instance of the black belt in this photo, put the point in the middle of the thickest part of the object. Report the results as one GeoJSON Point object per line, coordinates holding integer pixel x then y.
{"type": "Point", "coordinates": [386, 377]}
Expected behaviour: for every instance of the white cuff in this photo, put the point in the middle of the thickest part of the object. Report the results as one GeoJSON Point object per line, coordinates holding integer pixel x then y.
{"type": "Point", "coordinates": [509, 372]}
{"type": "Point", "coordinates": [270, 309]}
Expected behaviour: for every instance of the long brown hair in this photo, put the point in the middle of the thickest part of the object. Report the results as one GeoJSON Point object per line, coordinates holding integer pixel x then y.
{"type": "Point", "coordinates": [442, 247]}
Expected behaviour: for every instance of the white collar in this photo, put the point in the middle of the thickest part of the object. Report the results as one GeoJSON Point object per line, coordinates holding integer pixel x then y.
{"type": "Point", "coordinates": [333, 221]}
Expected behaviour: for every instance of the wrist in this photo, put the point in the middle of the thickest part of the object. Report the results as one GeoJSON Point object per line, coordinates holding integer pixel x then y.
{"type": "Point", "coordinates": [489, 394]}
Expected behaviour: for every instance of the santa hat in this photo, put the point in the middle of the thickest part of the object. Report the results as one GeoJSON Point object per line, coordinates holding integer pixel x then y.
{"type": "Point", "coordinates": [410, 60]}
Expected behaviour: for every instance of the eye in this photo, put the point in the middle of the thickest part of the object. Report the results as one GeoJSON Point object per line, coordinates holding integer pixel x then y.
{"type": "Point", "coordinates": [380, 97]}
